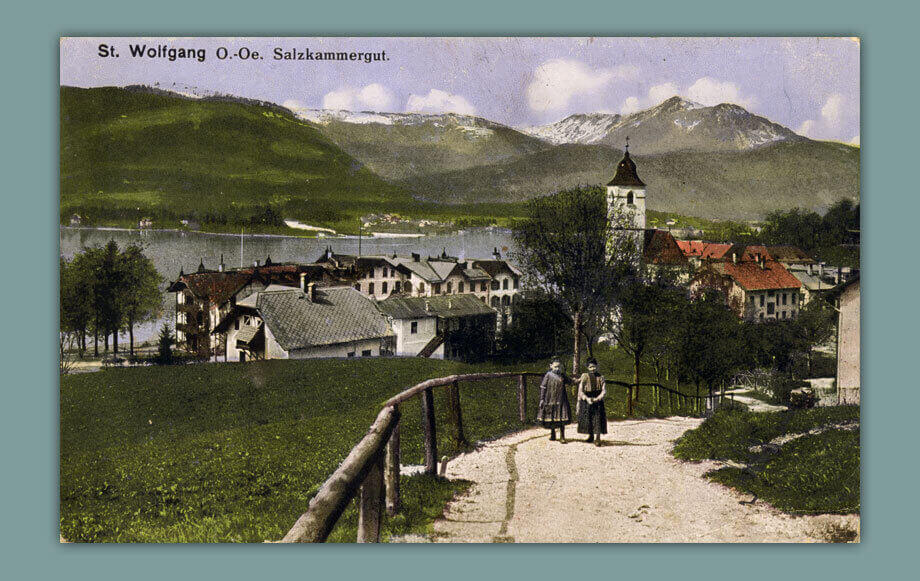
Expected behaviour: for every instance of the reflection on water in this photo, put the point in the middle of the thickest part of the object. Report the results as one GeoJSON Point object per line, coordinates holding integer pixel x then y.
{"type": "Point", "coordinates": [171, 251]}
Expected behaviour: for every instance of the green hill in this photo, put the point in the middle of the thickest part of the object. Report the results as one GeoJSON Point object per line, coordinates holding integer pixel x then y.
{"type": "Point", "coordinates": [127, 154]}
{"type": "Point", "coordinates": [726, 185]}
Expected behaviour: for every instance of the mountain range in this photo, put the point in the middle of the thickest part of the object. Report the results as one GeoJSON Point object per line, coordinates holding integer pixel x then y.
{"type": "Point", "coordinates": [134, 147]}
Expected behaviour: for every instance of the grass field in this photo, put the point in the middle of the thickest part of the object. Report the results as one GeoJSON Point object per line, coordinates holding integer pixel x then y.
{"type": "Point", "coordinates": [233, 452]}
{"type": "Point", "coordinates": [812, 474]}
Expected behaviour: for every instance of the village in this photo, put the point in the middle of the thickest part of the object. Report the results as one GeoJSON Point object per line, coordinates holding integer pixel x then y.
{"type": "Point", "coordinates": [342, 305]}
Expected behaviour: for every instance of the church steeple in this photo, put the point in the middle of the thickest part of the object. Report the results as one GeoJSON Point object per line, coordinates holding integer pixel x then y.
{"type": "Point", "coordinates": [626, 172]}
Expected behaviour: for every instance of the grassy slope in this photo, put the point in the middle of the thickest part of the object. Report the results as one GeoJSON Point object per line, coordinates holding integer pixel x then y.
{"type": "Point", "coordinates": [233, 452]}
{"type": "Point", "coordinates": [817, 473]}
{"type": "Point", "coordinates": [126, 154]}
{"type": "Point", "coordinates": [738, 185]}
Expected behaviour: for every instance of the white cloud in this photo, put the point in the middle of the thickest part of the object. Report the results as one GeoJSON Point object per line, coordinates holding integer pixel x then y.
{"type": "Point", "coordinates": [709, 91]}
{"type": "Point", "coordinates": [373, 97]}
{"type": "Point", "coordinates": [294, 104]}
{"type": "Point", "coordinates": [827, 126]}
{"type": "Point", "coordinates": [807, 128]}
{"type": "Point", "coordinates": [662, 92]}
{"type": "Point", "coordinates": [630, 105]}
{"type": "Point", "coordinates": [556, 81]}
{"type": "Point", "coordinates": [437, 101]}
{"type": "Point", "coordinates": [832, 109]}
{"type": "Point", "coordinates": [376, 96]}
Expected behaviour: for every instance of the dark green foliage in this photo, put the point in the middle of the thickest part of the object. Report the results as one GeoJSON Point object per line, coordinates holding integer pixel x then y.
{"type": "Point", "coordinates": [165, 342]}
{"type": "Point", "coordinates": [833, 238]}
{"type": "Point", "coordinates": [710, 344]}
{"type": "Point", "coordinates": [540, 328]}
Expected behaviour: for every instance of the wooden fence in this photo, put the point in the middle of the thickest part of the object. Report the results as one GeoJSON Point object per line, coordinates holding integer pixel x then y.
{"type": "Point", "coordinates": [371, 470]}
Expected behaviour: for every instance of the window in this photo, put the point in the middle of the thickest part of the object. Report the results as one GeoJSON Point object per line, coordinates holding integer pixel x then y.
{"type": "Point", "coordinates": [495, 302]}
{"type": "Point", "coordinates": [366, 353]}
{"type": "Point", "coordinates": [495, 285]}
{"type": "Point", "coordinates": [351, 354]}
{"type": "Point", "coordinates": [413, 328]}
{"type": "Point", "coordinates": [761, 300]}
{"type": "Point", "coordinates": [783, 314]}
{"type": "Point", "coordinates": [370, 288]}
{"type": "Point", "coordinates": [384, 288]}
{"type": "Point", "coordinates": [386, 272]}
{"type": "Point", "coordinates": [436, 288]}
{"type": "Point", "coordinates": [505, 284]}
{"type": "Point", "coordinates": [450, 287]}
{"type": "Point", "coordinates": [629, 198]}
{"type": "Point", "coordinates": [506, 300]}
{"type": "Point", "coordinates": [357, 286]}
{"type": "Point", "coordinates": [784, 299]}
{"type": "Point", "coordinates": [236, 324]}
{"type": "Point", "coordinates": [752, 299]}
{"type": "Point", "coordinates": [396, 287]}
{"type": "Point", "coordinates": [408, 287]}
{"type": "Point", "coordinates": [516, 283]}
{"type": "Point", "coordinates": [483, 288]}
{"type": "Point", "coordinates": [421, 288]}
{"type": "Point", "coordinates": [771, 308]}
{"type": "Point", "coordinates": [761, 316]}
{"type": "Point", "coordinates": [460, 287]}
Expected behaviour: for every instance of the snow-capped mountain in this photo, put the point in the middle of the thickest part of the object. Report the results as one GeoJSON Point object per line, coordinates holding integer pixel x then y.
{"type": "Point", "coordinates": [474, 126]}
{"type": "Point", "coordinates": [674, 125]}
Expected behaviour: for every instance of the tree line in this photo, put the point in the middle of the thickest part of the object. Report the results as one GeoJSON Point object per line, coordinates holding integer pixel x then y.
{"type": "Point", "coordinates": [104, 291]}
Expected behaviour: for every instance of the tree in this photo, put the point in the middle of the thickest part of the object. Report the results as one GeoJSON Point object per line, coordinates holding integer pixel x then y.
{"type": "Point", "coordinates": [648, 320]}
{"type": "Point", "coordinates": [139, 296]}
{"type": "Point", "coordinates": [814, 326]}
{"type": "Point", "coordinates": [569, 247]}
{"type": "Point", "coordinates": [710, 342]}
{"type": "Point", "coordinates": [165, 341]}
{"type": "Point", "coordinates": [540, 327]}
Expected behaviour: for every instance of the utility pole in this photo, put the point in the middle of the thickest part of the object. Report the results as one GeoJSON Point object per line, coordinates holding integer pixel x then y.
{"type": "Point", "coordinates": [360, 225]}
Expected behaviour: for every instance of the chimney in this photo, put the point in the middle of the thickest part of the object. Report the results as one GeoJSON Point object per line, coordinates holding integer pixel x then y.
{"type": "Point", "coordinates": [763, 263]}
{"type": "Point", "coordinates": [496, 253]}
{"type": "Point", "coordinates": [416, 257]}
{"type": "Point", "coordinates": [303, 278]}
{"type": "Point", "coordinates": [311, 292]}
{"type": "Point", "coordinates": [220, 267]}
{"type": "Point", "coordinates": [734, 257]}
{"type": "Point", "coordinates": [427, 306]}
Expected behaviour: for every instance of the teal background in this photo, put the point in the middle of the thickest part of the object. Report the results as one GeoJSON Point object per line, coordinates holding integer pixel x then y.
{"type": "Point", "coordinates": [29, 460]}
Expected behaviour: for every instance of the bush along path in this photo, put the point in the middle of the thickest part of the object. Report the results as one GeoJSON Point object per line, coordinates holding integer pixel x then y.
{"type": "Point", "coordinates": [528, 489]}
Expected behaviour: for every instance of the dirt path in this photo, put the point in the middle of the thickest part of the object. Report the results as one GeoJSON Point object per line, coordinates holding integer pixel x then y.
{"type": "Point", "coordinates": [528, 489]}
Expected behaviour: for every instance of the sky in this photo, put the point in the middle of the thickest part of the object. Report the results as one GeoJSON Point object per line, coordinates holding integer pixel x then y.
{"type": "Point", "coordinates": [810, 85]}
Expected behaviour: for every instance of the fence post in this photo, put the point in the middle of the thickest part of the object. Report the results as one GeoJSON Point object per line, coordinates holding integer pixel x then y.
{"type": "Point", "coordinates": [370, 508]}
{"type": "Point", "coordinates": [522, 398]}
{"type": "Point", "coordinates": [431, 439]}
{"type": "Point", "coordinates": [391, 475]}
{"type": "Point", "coordinates": [629, 402]}
{"type": "Point", "coordinates": [455, 416]}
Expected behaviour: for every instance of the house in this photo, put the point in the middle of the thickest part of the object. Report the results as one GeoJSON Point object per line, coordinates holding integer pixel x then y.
{"type": "Point", "coordinates": [282, 322]}
{"type": "Point", "coordinates": [697, 252]}
{"type": "Point", "coordinates": [818, 279]}
{"type": "Point", "coordinates": [755, 289]}
{"type": "Point", "coordinates": [846, 297]}
{"type": "Point", "coordinates": [445, 327]}
{"type": "Point", "coordinates": [205, 297]}
{"type": "Point", "coordinates": [495, 282]}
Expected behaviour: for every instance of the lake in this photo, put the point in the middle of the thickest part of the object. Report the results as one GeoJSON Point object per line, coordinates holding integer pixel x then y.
{"type": "Point", "coordinates": [171, 251]}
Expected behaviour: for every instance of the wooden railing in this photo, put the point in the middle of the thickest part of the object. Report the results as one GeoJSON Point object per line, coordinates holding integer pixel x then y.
{"type": "Point", "coordinates": [371, 470]}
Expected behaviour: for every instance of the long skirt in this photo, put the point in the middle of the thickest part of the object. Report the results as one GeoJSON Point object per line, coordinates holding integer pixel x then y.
{"type": "Point", "coordinates": [556, 412]}
{"type": "Point", "coordinates": [592, 418]}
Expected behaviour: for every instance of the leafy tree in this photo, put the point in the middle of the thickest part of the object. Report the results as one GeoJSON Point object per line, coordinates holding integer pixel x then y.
{"type": "Point", "coordinates": [139, 296]}
{"type": "Point", "coordinates": [710, 341]}
{"type": "Point", "coordinates": [539, 328]}
{"type": "Point", "coordinates": [567, 248]}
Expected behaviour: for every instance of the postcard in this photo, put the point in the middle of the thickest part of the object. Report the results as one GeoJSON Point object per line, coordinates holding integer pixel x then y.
{"type": "Point", "coordinates": [460, 290]}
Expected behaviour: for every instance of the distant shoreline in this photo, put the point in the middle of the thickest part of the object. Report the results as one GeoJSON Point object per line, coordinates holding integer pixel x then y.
{"type": "Point", "coordinates": [368, 236]}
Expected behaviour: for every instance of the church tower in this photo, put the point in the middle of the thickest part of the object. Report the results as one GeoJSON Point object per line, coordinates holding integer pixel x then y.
{"type": "Point", "coordinates": [626, 200]}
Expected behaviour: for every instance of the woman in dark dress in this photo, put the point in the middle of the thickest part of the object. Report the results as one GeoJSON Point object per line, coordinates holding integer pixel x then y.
{"type": "Point", "coordinates": [554, 411]}
{"type": "Point", "coordinates": [592, 417]}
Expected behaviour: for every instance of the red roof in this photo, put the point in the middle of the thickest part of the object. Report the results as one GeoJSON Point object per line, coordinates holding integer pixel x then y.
{"type": "Point", "coordinates": [698, 248]}
{"type": "Point", "coordinates": [661, 248]}
{"type": "Point", "coordinates": [752, 277]}
{"type": "Point", "coordinates": [217, 287]}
